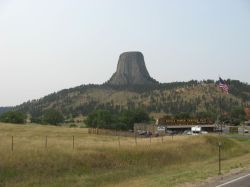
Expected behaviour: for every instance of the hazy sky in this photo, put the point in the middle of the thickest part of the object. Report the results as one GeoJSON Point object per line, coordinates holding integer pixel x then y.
{"type": "Point", "coordinates": [49, 45]}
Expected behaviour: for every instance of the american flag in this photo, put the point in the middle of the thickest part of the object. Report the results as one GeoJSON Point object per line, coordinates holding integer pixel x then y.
{"type": "Point", "coordinates": [223, 85]}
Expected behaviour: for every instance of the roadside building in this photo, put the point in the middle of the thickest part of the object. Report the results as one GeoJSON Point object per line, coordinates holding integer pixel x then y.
{"type": "Point", "coordinates": [181, 125]}
{"type": "Point", "coordinates": [247, 123]}
{"type": "Point", "coordinates": [247, 111]}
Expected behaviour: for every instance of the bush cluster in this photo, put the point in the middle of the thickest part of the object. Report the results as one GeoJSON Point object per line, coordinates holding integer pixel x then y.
{"type": "Point", "coordinates": [123, 120]}
{"type": "Point", "coordinates": [13, 117]}
{"type": "Point", "coordinates": [50, 116]}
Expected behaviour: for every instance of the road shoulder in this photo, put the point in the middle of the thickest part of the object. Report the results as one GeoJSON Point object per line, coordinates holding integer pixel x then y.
{"type": "Point", "coordinates": [218, 180]}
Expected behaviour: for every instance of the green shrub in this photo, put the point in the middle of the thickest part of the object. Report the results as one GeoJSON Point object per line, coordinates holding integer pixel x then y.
{"type": "Point", "coordinates": [72, 126]}
{"type": "Point", "coordinates": [13, 117]}
{"type": "Point", "coordinates": [52, 117]}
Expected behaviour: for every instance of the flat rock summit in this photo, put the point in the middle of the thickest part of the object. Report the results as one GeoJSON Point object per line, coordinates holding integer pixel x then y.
{"type": "Point", "coordinates": [131, 70]}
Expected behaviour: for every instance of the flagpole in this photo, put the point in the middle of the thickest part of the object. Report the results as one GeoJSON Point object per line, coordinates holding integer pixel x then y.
{"type": "Point", "coordinates": [219, 115]}
{"type": "Point", "coordinates": [220, 136]}
{"type": "Point", "coordinates": [224, 88]}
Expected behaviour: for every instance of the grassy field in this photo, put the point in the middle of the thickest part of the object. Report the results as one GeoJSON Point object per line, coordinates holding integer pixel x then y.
{"type": "Point", "coordinates": [97, 160]}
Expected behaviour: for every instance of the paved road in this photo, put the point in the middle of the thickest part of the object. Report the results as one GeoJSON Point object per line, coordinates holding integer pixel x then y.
{"type": "Point", "coordinates": [242, 181]}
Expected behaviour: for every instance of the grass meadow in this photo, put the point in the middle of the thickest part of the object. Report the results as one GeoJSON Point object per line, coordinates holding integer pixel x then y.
{"type": "Point", "coordinates": [98, 160]}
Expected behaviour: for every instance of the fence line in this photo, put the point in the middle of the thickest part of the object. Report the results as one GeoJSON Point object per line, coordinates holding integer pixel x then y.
{"type": "Point", "coordinates": [110, 132]}
{"type": "Point", "coordinates": [109, 141]}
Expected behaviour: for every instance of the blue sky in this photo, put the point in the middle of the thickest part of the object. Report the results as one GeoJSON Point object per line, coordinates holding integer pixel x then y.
{"type": "Point", "coordinates": [49, 45]}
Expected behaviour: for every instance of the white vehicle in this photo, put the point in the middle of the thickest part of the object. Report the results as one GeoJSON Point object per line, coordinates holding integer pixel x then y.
{"type": "Point", "coordinates": [196, 129]}
{"type": "Point", "coordinates": [160, 129]}
{"type": "Point", "coordinates": [204, 132]}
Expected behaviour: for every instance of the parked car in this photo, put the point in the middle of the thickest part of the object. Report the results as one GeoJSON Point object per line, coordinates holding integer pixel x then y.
{"type": "Point", "coordinates": [142, 132]}
{"type": "Point", "coordinates": [171, 132]}
{"type": "Point", "coordinates": [148, 134]}
{"type": "Point", "coordinates": [187, 132]}
{"type": "Point", "coordinates": [204, 132]}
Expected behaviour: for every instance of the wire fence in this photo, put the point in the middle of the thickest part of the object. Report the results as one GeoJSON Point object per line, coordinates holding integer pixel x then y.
{"type": "Point", "coordinates": [97, 139]}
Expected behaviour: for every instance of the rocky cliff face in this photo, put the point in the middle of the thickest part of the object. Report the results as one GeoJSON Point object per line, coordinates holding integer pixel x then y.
{"type": "Point", "coordinates": [131, 70]}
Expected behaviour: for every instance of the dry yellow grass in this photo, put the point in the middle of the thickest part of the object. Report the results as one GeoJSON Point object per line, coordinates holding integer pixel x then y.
{"type": "Point", "coordinates": [34, 136]}
{"type": "Point", "coordinates": [98, 160]}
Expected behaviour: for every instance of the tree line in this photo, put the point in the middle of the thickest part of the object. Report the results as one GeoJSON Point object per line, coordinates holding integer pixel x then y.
{"type": "Point", "coordinates": [50, 116]}
{"type": "Point", "coordinates": [121, 120]}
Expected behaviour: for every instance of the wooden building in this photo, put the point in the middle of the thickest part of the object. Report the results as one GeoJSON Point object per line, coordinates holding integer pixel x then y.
{"type": "Point", "coordinates": [186, 124]}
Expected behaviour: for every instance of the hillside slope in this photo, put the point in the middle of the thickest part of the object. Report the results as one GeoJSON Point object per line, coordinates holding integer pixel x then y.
{"type": "Point", "coordinates": [192, 97]}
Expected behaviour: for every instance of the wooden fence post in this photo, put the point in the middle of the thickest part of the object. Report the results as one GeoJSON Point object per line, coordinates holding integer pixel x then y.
{"type": "Point", "coordinates": [46, 142]}
{"type": "Point", "coordinates": [73, 141]}
{"type": "Point", "coordinates": [135, 139]}
{"type": "Point", "coordinates": [219, 146]}
{"type": "Point", "coordinates": [162, 138]}
{"type": "Point", "coordinates": [119, 140]}
{"type": "Point", "coordinates": [12, 143]}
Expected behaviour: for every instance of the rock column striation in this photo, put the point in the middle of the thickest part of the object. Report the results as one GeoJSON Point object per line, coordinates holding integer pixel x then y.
{"type": "Point", "coordinates": [131, 70]}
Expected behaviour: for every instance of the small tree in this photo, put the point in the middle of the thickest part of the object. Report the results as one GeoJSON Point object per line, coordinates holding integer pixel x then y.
{"type": "Point", "coordinates": [129, 117]}
{"type": "Point", "coordinates": [52, 117]}
{"type": "Point", "coordinates": [237, 115]}
{"type": "Point", "coordinates": [182, 115]}
{"type": "Point", "coordinates": [100, 119]}
{"type": "Point", "coordinates": [13, 117]}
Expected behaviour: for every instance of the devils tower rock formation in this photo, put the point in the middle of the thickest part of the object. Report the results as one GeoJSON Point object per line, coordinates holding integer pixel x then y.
{"type": "Point", "coordinates": [131, 70]}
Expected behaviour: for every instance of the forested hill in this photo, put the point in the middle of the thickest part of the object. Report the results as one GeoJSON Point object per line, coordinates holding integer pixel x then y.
{"type": "Point", "coordinates": [4, 109]}
{"type": "Point", "coordinates": [193, 97]}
